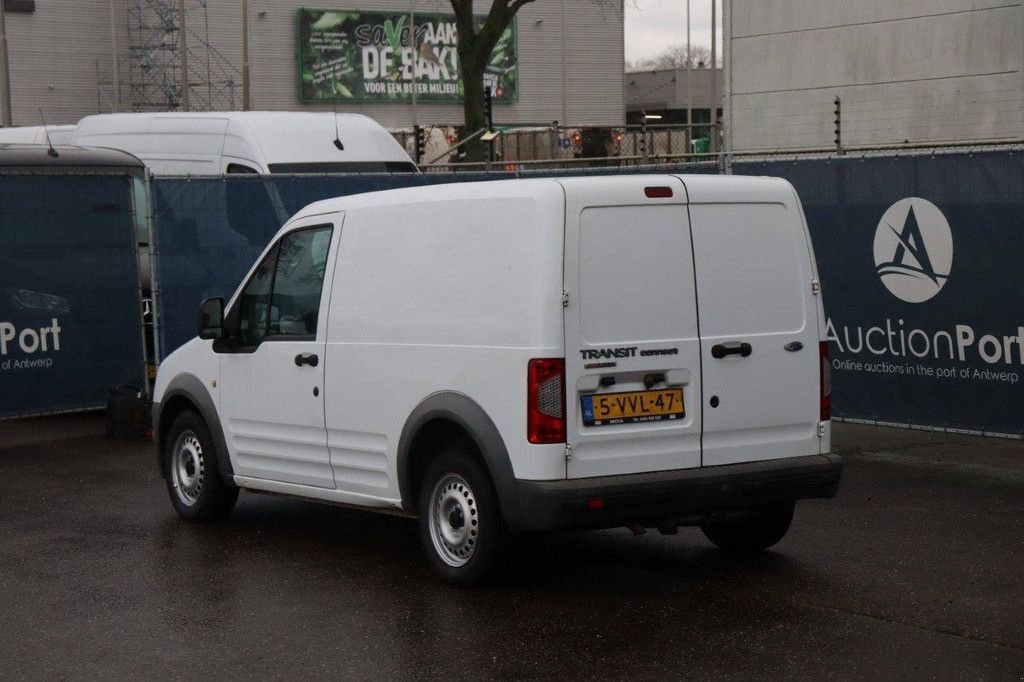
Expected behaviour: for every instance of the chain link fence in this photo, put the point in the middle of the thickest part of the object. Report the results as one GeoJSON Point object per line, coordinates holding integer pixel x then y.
{"type": "Point", "coordinates": [555, 146]}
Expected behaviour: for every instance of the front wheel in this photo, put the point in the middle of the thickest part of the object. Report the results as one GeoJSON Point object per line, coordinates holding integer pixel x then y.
{"type": "Point", "coordinates": [461, 529]}
{"type": "Point", "coordinates": [757, 530]}
{"type": "Point", "coordinates": [190, 469]}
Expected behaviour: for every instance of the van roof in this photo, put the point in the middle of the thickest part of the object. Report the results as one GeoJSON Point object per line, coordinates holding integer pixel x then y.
{"type": "Point", "coordinates": [38, 156]}
{"type": "Point", "coordinates": [488, 189]}
{"type": "Point", "coordinates": [737, 189]}
{"type": "Point", "coordinates": [310, 134]}
{"type": "Point", "coordinates": [701, 189]}
{"type": "Point", "coordinates": [32, 134]}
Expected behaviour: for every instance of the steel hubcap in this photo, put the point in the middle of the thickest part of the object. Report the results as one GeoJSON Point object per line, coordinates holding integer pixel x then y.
{"type": "Point", "coordinates": [454, 521]}
{"type": "Point", "coordinates": [187, 468]}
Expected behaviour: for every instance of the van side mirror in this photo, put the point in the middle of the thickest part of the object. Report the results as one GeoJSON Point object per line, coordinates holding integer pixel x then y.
{"type": "Point", "coordinates": [211, 319]}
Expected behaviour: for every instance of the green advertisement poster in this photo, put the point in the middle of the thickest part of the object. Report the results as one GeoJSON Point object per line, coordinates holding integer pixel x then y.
{"type": "Point", "coordinates": [375, 57]}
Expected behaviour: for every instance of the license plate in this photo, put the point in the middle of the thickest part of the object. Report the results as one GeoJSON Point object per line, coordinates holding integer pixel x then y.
{"type": "Point", "coordinates": [602, 409]}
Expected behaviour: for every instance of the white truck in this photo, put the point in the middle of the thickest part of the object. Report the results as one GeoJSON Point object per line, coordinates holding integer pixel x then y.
{"type": "Point", "coordinates": [264, 142]}
{"type": "Point", "coordinates": [524, 355]}
{"type": "Point", "coordinates": [57, 136]}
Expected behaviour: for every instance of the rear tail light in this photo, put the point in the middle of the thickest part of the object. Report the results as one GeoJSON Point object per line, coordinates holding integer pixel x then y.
{"type": "Point", "coordinates": [825, 382]}
{"type": "Point", "coordinates": [658, 192]}
{"type": "Point", "coordinates": [545, 401]}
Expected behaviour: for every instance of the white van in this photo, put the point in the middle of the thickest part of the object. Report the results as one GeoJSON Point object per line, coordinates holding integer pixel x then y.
{"type": "Point", "coordinates": [213, 143]}
{"type": "Point", "coordinates": [641, 351]}
{"type": "Point", "coordinates": [58, 135]}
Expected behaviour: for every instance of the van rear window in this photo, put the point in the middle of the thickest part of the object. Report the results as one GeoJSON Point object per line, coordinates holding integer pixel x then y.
{"type": "Point", "coordinates": [344, 167]}
{"type": "Point", "coordinates": [636, 275]}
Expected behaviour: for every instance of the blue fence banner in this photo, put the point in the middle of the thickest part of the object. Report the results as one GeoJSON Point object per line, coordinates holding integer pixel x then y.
{"type": "Point", "coordinates": [920, 262]}
{"type": "Point", "coordinates": [210, 230]}
{"type": "Point", "coordinates": [70, 311]}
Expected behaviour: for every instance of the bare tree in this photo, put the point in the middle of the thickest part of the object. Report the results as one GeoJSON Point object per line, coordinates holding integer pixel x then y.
{"type": "Point", "coordinates": [676, 56]}
{"type": "Point", "coordinates": [475, 48]}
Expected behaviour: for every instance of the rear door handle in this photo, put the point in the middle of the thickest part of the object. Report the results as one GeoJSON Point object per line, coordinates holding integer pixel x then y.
{"type": "Point", "coordinates": [311, 359]}
{"type": "Point", "coordinates": [741, 348]}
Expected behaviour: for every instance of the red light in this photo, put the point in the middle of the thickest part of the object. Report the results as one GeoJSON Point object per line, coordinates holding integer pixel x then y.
{"type": "Point", "coordinates": [825, 382]}
{"type": "Point", "coordinates": [658, 192]}
{"type": "Point", "coordinates": [595, 503]}
{"type": "Point", "coordinates": [545, 400]}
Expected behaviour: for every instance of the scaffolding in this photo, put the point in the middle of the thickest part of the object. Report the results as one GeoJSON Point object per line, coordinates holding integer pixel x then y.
{"type": "Point", "coordinates": [158, 53]}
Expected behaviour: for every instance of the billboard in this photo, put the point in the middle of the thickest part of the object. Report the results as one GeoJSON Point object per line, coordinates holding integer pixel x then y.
{"type": "Point", "coordinates": [919, 259]}
{"type": "Point", "coordinates": [355, 56]}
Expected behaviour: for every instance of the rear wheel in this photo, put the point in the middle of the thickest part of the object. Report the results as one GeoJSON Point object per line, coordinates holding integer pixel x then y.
{"type": "Point", "coordinates": [758, 529]}
{"type": "Point", "coordinates": [460, 521]}
{"type": "Point", "coordinates": [190, 469]}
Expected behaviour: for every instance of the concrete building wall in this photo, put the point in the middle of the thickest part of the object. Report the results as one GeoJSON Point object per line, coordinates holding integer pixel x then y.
{"type": "Point", "coordinates": [670, 90]}
{"type": "Point", "coordinates": [906, 71]}
{"type": "Point", "coordinates": [61, 59]}
{"type": "Point", "coordinates": [571, 59]}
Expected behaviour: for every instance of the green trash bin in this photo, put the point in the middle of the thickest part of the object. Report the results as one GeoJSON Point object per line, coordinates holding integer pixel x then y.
{"type": "Point", "coordinates": [702, 145]}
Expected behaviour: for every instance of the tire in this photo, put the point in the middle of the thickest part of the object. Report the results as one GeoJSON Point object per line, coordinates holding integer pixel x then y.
{"type": "Point", "coordinates": [461, 528]}
{"type": "Point", "coordinates": [193, 479]}
{"type": "Point", "coordinates": [755, 531]}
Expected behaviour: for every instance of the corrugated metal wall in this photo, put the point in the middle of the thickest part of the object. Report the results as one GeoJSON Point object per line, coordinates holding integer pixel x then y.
{"type": "Point", "coordinates": [61, 59]}
{"type": "Point", "coordinates": [61, 42]}
{"type": "Point", "coordinates": [915, 70]}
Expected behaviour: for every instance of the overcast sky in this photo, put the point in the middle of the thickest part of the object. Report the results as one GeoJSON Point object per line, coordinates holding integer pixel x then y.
{"type": "Point", "coordinates": [653, 25]}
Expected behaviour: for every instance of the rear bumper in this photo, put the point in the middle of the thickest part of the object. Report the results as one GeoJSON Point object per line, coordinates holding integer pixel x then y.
{"type": "Point", "coordinates": [682, 496]}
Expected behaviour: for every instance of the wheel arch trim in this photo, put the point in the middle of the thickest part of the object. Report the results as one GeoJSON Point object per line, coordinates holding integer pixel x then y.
{"type": "Point", "coordinates": [189, 387]}
{"type": "Point", "coordinates": [471, 418]}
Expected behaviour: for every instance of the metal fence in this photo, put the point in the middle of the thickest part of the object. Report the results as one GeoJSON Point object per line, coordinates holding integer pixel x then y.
{"type": "Point", "coordinates": [947, 355]}
{"type": "Point", "coordinates": [526, 147]}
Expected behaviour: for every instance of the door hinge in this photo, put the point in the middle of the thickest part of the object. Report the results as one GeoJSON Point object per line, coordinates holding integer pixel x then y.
{"type": "Point", "coordinates": [821, 429]}
{"type": "Point", "coordinates": [565, 298]}
{"type": "Point", "coordinates": [815, 286]}
{"type": "Point", "coordinates": [568, 452]}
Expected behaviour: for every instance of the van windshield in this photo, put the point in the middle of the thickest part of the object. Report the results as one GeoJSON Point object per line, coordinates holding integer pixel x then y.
{"type": "Point", "coordinates": [344, 167]}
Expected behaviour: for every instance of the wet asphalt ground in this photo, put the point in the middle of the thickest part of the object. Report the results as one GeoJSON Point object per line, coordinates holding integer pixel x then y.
{"type": "Point", "coordinates": [916, 570]}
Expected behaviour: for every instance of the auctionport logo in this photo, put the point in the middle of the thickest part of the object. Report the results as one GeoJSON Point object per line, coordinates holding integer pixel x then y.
{"type": "Point", "coordinates": [913, 250]}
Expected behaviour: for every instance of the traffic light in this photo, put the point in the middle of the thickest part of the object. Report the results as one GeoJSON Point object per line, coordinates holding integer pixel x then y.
{"type": "Point", "coordinates": [420, 135]}
{"type": "Point", "coordinates": [488, 109]}
{"type": "Point", "coordinates": [489, 117]}
{"type": "Point", "coordinates": [839, 127]}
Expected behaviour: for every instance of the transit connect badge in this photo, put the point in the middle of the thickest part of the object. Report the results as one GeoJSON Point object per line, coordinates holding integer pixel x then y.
{"type": "Point", "coordinates": [913, 250]}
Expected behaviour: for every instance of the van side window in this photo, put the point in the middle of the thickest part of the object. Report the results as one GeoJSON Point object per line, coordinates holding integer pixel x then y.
{"type": "Point", "coordinates": [241, 168]}
{"type": "Point", "coordinates": [298, 283]}
{"type": "Point", "coordinates": [254, 303]}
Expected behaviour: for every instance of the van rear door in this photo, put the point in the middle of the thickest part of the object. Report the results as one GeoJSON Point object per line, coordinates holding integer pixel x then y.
{"type": "Point", "coordinates": [758, 320]}
{"type": "Point", "coordinates": [632, 351]}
